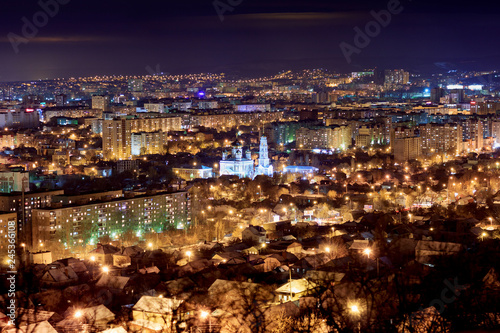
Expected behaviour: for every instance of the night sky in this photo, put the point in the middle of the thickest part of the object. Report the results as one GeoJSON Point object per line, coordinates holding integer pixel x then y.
{"type": "Point", "coordinates": [257, 37]}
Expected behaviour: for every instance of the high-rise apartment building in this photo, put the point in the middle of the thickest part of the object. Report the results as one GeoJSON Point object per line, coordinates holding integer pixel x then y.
{"type": "Point", "coordinates": [338, 137]}
{"type": "Point", "coordinates": [19, 118]}
{"type": "Point", "coordinates": [371, 134]}
{"type": "Point", "coordinates": [484, 108]}
{"type": "Point", "coordinates": [8, 224]}
{"type": "Point", "coordinates": [86, 223]}
{"type": "Point", "coordinates": [146, 143]}
{"type": "Point", "coordinates": [436, 94]}
{"type": "Point", "coordinates": [117, 136]}
{"type": "Point", "coordinates": [61, 100]}
{"type": "Point", "coordinates": [394, 77]}
{"type": "Point", "coordinates": [100, 102]}
{"type": "Point", "coordinates": [409, 148]}
{"type": "Point", "coordinates": [14, 181]}
{"type": "Point", "coordinates": [23, 204]}
{"type": "Point", "coordinates": [155, 107]}
{"type": "Point", "coordinates": [441, 138]}
{"type": "Point", "coordinates": [495, 132]}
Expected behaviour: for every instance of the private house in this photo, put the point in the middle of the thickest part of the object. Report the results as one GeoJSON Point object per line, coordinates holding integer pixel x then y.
{"type": "Point", "coordinates": [41, 327]}
{"type": "Point", "coordinates": [310, 262]}
{"type": "Point", "coordinates": [266, 264]}
{"type": "Point", "coordinates": [254, 235]}
{"type": "Point", "coordinates": [251, 250]}
{"type": "Point", "coordinates": [43, 257]}
{"type": "Point", "coordinates": [97, 316]}
{"type": "Point", "coordinates": [130, 255]}
{"type": "Point", "coordinates": [294, 248]}
{"type": "Point", "coordinates": [158, 310]}
{"type": "Point", "coordinates": [31, 316]}
{"type": "Point", "coordinates": [359, 245]}
{"type": "Point", "coordinates": [425, 251]}
{"type": "Point", "coordinates": [176, 287]}
{"type": "Point", "coordinates": [144, 326]}
{"type": "Point", "coordinates": [295, 289]}
{"type": "Point", "coordinates": [115, 284]}
{"type": "Point", "coordinates": [59, 277]}
{"type": "Point", "coordinates": [103, 254]}
{"type": "Point", "coordinates": [118, 329]}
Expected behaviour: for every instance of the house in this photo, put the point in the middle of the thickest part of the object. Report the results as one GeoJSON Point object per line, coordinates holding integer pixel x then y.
{"type": "Point", "coordinates": [234, 299]}
{"type": "Point", "coordinates": [234, 293]}
{"type": "Point", "coordinates": [176, 287]}
{"type": "Point", "coordinates": [295, 289]}
{"type": "Point", "coordinates": [276, 230]}
{"type": "Point", "coordinates": [128, 256]}
{"type": "Point", "coordinates": [158, 310]}
{"type": "Point", "coordinates": [310, 262]}
{"type": "Point", "coordinates": [359, 245]}
{"type": "Point", "coordinates": [149, 270]}
{"type": "Point", "coordinates": [98, 316]}
{"type": "Point", "coordinates": [41, 327]}
{"type": "Point", "coordinates": [144, 326]}
{"type": "Point", "coordinates": [115, 284]}
{"type": "Point", "coordinates": [294, 248]}
{"type": "Point", "coordinates": [267, 264]}
{"type": "Point", "coordinates": [194, 267]}
{"type": "Point", "coordinates": [229, 257]}
{"type": "Point", "coordinates": [425, 251]}
{"type": "Point", "coordinates": [31, 316]}
{"type": "Point", "coordinates": [254, 235]}
{"type": "Point", "coordinates": [118, 329]}
{"type": "Point", "coordinates": [103, 254]}
{"type": "Point", "coordinates": [59, 277]}
{"type": "Point", "coordinates": [425, 320]}
{"type": "Point", "coordinates": [77, 265]}
{"type": "Point", "coordinates": [287, 310]}
{"type": "Point", "coordinates": [324, 276]}
{"type": "Point", "coordinates": [75, 292]}
{"type": "Point", "coordinates": [251, 250]}
{"type": "Point", "coordinates": [43, 257]}
{"type": "Point", "coordinates": [120, 260]}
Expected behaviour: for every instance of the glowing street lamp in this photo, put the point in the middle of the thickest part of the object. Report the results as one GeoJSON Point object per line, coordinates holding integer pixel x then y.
{"type": "Point", "coordinates": [204, 315]}
{"type": "Point", "coordinates": [105, 269]}
{"type": "Point", "coordinates": [188, 253]}
{"type": "Point", "coordinates": [355, 311]}
{"type": "Point", "coordinates": [367, 251]}
{"type": "Point", "coordinates": [78, 314]}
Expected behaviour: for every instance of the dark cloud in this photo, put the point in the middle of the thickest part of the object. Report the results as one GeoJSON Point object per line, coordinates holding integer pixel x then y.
{"type": "Point", "coordinates": [110, 37]}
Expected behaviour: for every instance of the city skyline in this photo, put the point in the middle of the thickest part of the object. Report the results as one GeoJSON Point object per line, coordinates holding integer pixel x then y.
{"type": "Point", "coordinates": [244, 166]}
{"type": "Point", "coordinates": [245, 38]}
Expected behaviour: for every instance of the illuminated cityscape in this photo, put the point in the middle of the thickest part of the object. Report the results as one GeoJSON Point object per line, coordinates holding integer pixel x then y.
{"type": "Point", "coordinates": [252, 177]}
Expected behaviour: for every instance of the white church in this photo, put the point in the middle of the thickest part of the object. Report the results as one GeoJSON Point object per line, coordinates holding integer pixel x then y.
{"type": "Point", "coordinates": [243, 167]}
